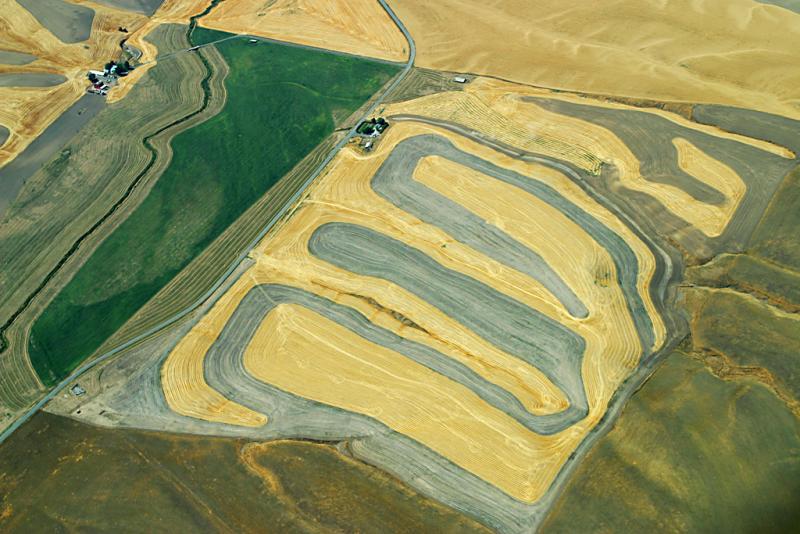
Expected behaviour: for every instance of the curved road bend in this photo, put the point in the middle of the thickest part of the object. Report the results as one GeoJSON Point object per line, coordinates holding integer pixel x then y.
{"type": "Point", "coordinates": [183, 313]}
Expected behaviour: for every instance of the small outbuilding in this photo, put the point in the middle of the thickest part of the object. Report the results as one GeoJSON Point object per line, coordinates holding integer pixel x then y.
{"type": "Point", "coordinates": [77, 390]}
{"type": "Point", "coordinates": [460, 79]}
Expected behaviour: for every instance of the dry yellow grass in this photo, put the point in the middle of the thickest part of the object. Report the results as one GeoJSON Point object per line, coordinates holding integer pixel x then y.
{"type": "Point", "coordinates": [586, 267]}
{"type": "Point", "coordinates": [736, 52]}
{"type": "Point", "coordinates": [353, 26]}
{"type": "Point", "coordinates": [26, 112]}
{"type": "Point", "coordinates": [471, 108]}
{"type": "Point", "coordinates": [708, 218]}
{"type": "Point", "coordinates": [498, 110]}
{"type": "Point", "coordinates": [760, 144]}
{"type": "Point", "coordinates": [354, 374]}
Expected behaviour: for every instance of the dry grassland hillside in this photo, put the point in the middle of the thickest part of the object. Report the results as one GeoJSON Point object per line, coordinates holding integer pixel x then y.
{"type": "Point", "coordinates": [736, 52]}
{"type": "Point", "coordinates": [354, 26]}
{"type": "Point", "coordinates": [160, 482]}
{"type": "Point", "coordinates": [27, 111]}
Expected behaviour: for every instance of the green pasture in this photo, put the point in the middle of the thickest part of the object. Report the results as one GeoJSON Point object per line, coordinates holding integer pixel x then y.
{"type": "Point", "coordinates": [281, 102]}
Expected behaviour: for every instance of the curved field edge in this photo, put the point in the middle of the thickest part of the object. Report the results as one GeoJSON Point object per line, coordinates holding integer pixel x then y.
{"type": "Point", "coordinates": [677, 263]}
{"type": "Point", "coordinates": [59, 208]}
{"type": "Point", "coordinates": [666, 440]}
{"type": "Point", "coordinates": [248, 144]}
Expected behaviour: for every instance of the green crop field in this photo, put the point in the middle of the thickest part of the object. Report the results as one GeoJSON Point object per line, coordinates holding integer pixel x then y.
{"type": "Point", "coordinates": [281, 102]}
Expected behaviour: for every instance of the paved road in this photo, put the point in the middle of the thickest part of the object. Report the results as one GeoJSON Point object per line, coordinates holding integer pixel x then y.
{"type": "Point", "coordinates": [183, 313]}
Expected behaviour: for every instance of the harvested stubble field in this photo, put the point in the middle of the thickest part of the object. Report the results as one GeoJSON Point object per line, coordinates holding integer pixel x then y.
{"type": "Point", "coordinates": [471, 303]}
{"type": "Point", "coordinates": [703, 187]}
{"type": "Point", "coordinates": [280, 102]}
{"type": "Point", "coordinates": [359, 27]}
{"type": "Point", "coordinates": [27, 111]}
{"type": "Point", "coordinates": [395, 359]}
{"type": "Point", "coordinates": [161, 482]}
{"type": "Point", "coordinates": [736, 52]}
{"type": "Point", "coordinates": [64, 199]}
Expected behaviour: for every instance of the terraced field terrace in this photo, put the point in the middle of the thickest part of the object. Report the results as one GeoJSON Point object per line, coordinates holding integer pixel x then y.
{"type": "Point", "coordinates": [467, 305]}
{"type": "Point", "coordinates": [463, 304]}
{"type": "Point", "coordinates": [280, 102]}
{"type": "Point", "coordinates": [353, 26]}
